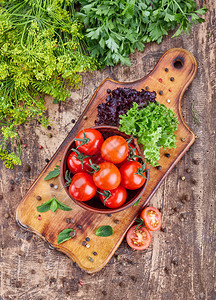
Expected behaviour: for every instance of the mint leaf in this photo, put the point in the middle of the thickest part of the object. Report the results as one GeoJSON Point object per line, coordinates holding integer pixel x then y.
{"type": "Point", "coordinates": [64, 235]}
{"type": "Point", "coordinates": [63, 206]}
{"type": "Point", "coordinates": [104, 231]}
{"type": "Point", "coordinates": [54, 173]}
{"type": "Point", "coordinates": [137, 202]}
{"type": "Point", "coordinates": [45, 206]}
{"type": "Point", "coordinates": [54, 205]}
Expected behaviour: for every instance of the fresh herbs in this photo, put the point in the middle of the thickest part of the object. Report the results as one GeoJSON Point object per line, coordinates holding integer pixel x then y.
{"type": "Point", "coordinates": [104, 231]}
{"type": "Point", "coordinates": [43, 51]}
{"type": "Point", "coordinates": [137, 202]}
{"type": "Point", "coordinates": [54, 173]}
{"type": "Point", "coordinates": [153, 126]}
{"type": "Point", "coordinates": [53, 205]}
{"type": "Point", "coordinates": [117, 28]}
{"type": "Point", "coordinates": [65, 235]}
{"type": "Point", "coordinates": [119, 102]}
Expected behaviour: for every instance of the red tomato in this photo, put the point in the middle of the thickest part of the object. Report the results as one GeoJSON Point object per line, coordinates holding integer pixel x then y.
{"type": "Point", "coordinates": [89, 141]}
{"type": "Point", "coordinates": [78, 162]}
{"type": "Point", "coordinates": [82, 187]}
{"type": "Point", "coordinates": [132, 175]}
{"type": "Point", "coordinates": [152, 218]}
{"type": "Point", "coordinates": [114, 149]}
{"type": "Point", "coordinates": [114, 198]}
{"type": "Point", "coordinates": [138, 239]}
{"type": "Point", "coordinates": [107, 177]}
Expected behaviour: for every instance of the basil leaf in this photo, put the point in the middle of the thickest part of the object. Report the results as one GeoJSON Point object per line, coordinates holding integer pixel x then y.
{"type": "Point", "coordinates": [53, 173]}
{"type": "Point", "coordinates": [64, 235]}
{"type": "Point", "coordinates": [63, 206]}
{"type": "Point", "coordinates": [54, 205]}
{"type": "Point", "coordinates": [45, 206]}
{"type": "Point", "coordinates": [104, 231]}
{"type": "Point", "coordinates": [137, 202]}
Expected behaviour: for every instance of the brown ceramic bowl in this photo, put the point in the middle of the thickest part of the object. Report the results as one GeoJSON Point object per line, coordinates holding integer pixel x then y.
{"type": "Point", "coordinates": [95, 205]}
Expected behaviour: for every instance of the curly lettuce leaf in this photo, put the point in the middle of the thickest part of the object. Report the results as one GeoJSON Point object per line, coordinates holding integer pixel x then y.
{"type": "Point", "coordinates": [153, 127]}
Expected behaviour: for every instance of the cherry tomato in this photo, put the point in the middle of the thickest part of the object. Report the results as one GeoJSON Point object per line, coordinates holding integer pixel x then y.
{"type": "Point", "coordinates": [107, 177]}
{"type": "Point", "coordinates": [114, 198]}
{"type": "Point", "coordinates": [132, 175]}
{"type": "Point", "coordinates": [89, 141]}
{"type": "Point", "coordinates": [78, 162]}
{"type": "Point", "coordinates": [152, 218]}
{"type": "Point", "coordinates": [138, 239]}
{"type": "Point", "coordinates": [114, 149]}
{"type": "Point", "coordinates": [82, 187]}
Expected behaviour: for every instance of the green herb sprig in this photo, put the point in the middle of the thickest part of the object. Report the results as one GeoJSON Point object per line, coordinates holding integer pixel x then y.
{"type": "Point", "coordinates": [53, 204]}
{"type": "Point", "coordinates": [117, 28]}
{"type": "Point", "coordinates": [104, 231]}
{"type": "Point", "coordinates": [64, 235]}
{"type": "Point", "coordinates": [54, 173]}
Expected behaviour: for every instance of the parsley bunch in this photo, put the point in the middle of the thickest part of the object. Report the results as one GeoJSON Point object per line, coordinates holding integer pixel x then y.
{"type": "Point", "coordinates": [153, 126]}
{"type": "Point", "coordinates": [42, 51]}
{"type": "Point", "coordinates": [117, 28]}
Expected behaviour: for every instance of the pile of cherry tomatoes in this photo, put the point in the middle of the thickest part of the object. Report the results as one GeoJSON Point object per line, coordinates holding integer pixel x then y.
{"type": "Point", "coordinates": [138, 236]}
{"type": "Point", "coordinates": [108, 167]}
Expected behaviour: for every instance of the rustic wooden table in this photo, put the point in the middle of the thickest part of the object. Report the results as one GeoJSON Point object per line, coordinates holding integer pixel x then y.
{"type": "Point", "coordinates": [180, 263]}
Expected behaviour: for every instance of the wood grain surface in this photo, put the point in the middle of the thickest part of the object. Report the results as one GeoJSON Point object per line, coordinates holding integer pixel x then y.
{"type": "Point", "coordinates": [180, 263]}
{"type": "Point", "coordinates": [51, 224]}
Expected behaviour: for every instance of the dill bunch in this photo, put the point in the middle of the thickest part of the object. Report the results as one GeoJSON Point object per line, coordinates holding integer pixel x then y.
{"type": "Point", "coordinates": [43, 51]}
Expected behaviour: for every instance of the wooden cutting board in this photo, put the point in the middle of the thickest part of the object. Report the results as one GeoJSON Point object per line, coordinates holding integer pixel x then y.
{"type": "Point", "coordinates": [170, 78]}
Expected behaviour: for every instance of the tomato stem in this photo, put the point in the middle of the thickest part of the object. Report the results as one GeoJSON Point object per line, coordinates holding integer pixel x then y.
{"type": "Point", "coordinates": [142, 170]}
{"type": "Point", "coordinates": [83, 141]}
{"type": "Point", "coordinates": [80, 156]}
{"type": "Point", "coordinates": [106, 194]}
{"type": "Point", "coordinates": [95, 167]}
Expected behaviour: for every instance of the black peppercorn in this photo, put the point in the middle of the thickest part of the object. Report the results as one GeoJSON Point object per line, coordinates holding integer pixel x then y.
{"type": "Point", "coordinates": [87, 239]}
{"type": "Point", "coordinates": [161, 93]}
{"type": "Point", "coordinates": [84, 243]}
{"type": "Point", "coordinates": [11, 181]}
{"type": "Point", "coordinates": [159, 167]}
{"type": "Point", "coordinates": [108, 91]}
{"type": "Point", "coordinates": [94, 253]}
{"type": "Point", "coordinates": [47, 160]}
{"type": "Point", "coordinates": [172, 79]}
{"type": "Point", "coordinates": [195, 161]}
{"type": "Point", "coordinates": [167, 155]}
{"type": "Point", "coordinates": [49, 127]}
{"type": "Point", "coordinates": [38, 198]}
{"type": "Point", "coordinates": [166, 69]}
{"type": "Point", "coordinates": [67, 220]}
{"type": "Point", "coordinates": [51, 185]}
{"type": "Point", "coordinates": [73, 121]}
{"type": "Point", "coordinates": [79, 226]}
{"type": "Point", "coordinates": [147, 88]}
{"type": "Point", "coordinates": [109, 215]}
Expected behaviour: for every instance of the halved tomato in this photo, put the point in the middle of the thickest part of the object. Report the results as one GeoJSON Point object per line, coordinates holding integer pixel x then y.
{"type": "Point", "coordinates": [138, 239]}
{"type": "Point", "coordinates": [152, 218]}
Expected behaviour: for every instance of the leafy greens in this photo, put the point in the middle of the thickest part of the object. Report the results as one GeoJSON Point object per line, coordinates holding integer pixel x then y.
{"type": "Point", "coordinates": [153, 127]}
{"type": "Point", "coordinates": [117, 28]}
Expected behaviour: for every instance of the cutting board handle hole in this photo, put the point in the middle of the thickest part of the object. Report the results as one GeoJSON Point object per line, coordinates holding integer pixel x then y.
{"type": "Point", "coordinates": [178, 63]}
